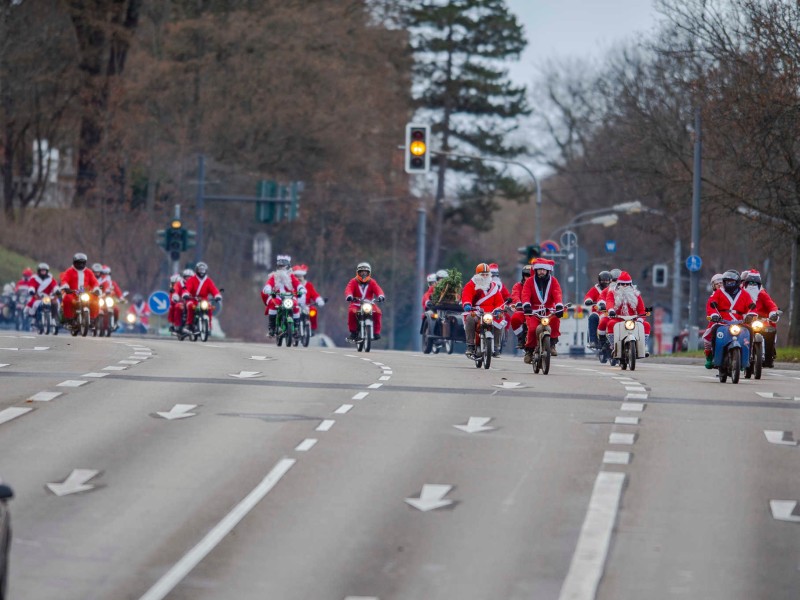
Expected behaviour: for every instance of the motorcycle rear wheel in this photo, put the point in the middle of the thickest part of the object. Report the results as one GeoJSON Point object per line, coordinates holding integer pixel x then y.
{"type": "Point", "coordinates": [427, 341]}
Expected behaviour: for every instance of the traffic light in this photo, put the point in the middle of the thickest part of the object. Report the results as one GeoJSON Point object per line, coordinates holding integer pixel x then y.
{"type": "Point", "coordinates": [175, 239]}
{"type": "Point", "coordinates": [161, 238]}
{"type": "Point", "coordinates": [660, 275]}
{"type": "Point", "coordinates": [531, 251]}
{"type": "Point", "coordinates": [266, 211]}
{"type": "Point", "coordinates": [418, 155]}
{"type": "Point", "coordinates": [189, 240]}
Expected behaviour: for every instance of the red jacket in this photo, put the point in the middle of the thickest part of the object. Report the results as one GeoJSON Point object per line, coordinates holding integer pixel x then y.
{"type": "Point", "coordinates": [549, 297]}
{"type": "Point", "coordinates": [594, 295]}
{"type": "Point", "coordinates": [730, 308]}
{"type": "Point", "coordinates": [76, 280]}
{"type": "Point", "coordinates": [200, 287]}
{"type": "Point", "coordinates": [44, 286]}
{"type": "Point", "coordinates": [488, 300]}
{"type": "Point", "coordinates": [362, 291]}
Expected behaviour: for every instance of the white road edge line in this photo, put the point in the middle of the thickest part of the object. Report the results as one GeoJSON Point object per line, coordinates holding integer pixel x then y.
{"type": "Point", "coordinates": [185, 565]}
{"type": "Point", "coordinates": [588, 562]}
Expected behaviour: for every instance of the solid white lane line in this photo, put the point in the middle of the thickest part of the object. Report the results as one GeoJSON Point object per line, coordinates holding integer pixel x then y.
{"type": "Point", "coordinates": [185, 565]}
{"type": "Point", "coordinates": [306, 445]}
{"type": "Point", "coordinates": [633, 406]}
{"type": "Point", "coordinates": [589, 559]}
{"type": "Point", "coordinates": [96, 375]}
{"type": "Point", "coordinates": [360, 396]}
{"type": "Point", "coordinates": [622, 438]}
{"type": "Point", "coordinates": [45, 396]}
{"type": "Point", "coordinates": [374, 386]}
{"type": "Point", "coordinates": [616, 458]}
{"type": "Point", "coordinates": [343, 409]}
{"type": "Point", "coordinates": [12, 413]}
{"type": "Point", "coordinates": [325, 425]}
{"type": "Point", "coordinates": [114, 368]}
{"type": "Point", "coordinates": [627, 420]}
{"type": "Point", "coordinates": [72, 383]}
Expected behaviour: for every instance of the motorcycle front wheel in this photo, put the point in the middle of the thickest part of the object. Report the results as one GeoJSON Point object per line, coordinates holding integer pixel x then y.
{"type": "Point", "coordinates": [487, 355]}
{"type": "Point", "coordinates": [758, 361]}
{"type": "Point", "coordinates": [367, 337]}
{"type": "Point", "coordinates": [427, 341]}
{"type": "Point", "coordinates": [203, 329]}
{"type": "Point", "coordinates": [84, 320]}
{"type": "Point", "coordinates": [546, 356]}
{"type": "Point", "coordinates": [736, 364]}
{"type": "Point", "coordinates": [306, 335]}
{"type": "Point", "coordinates": [632, 354]}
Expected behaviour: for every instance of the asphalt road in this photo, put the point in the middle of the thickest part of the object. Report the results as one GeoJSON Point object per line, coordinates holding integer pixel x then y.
{"type": "Point", "coordinates": [328, 474]}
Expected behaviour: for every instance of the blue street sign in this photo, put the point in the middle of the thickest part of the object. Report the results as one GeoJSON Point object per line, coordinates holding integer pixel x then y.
{"type": "Point", "coordinates": [550, 247]}
{"type": "Point", "coordinates": [158, 302]}
{"type": "Point", "coordinates": [611, 246]}
{"type": "Point", "coordinates": [694, 262]}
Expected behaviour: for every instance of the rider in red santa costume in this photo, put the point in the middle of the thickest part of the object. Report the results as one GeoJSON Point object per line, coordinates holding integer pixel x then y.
{"type": "Point", "coordinates": [625, 301]}
{"type": "Point", "coordinates": [199, 287]}
{"type": "Point", "coordinates": [75, 279]}
{"type": "Point", "coordinates": [542, 290]}
{"type": "Point", "coordinates": [481, 291]}
{"type": "Point", "coordinates": [312, 296]}
{"type": "Point", "coordinates": [518, 316]}
{"type": "Point", "coordinates": [282, 281]}
{"type": "Point", "coordinates": [41, 284]}
{"type": "Point", "coordinates": [363, 287]}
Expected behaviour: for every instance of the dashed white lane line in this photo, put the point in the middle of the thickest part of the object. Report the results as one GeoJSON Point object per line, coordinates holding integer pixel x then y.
{"type": "Point", "coordinates": [633, 406]}
{"type": "Point", "coordinates": [343, 409]}
{"type": "Point", "coordinates": [325, 425]}
{"type": "Point", "coordinates": [626, 420]}
{"type": "Point", "coordinates": [360, 396]}
{"type": "Point", "coordinates": [45, 396]}
{"type": "Point", "coordinates": [610, 457]}
{"type": "Point", "coordinates": [72, 383]}
{"type": "Point", "coordinates": [41, 348]}
{"type": "Point", "coordinates": [306, 445]}
{"type": "Point", "coordinates": [635, 389]}
{"type": "Point", "coordinates": [4, 364]}
{"type": "Point", "coordinates": [384, 378]}
{"type": "Point", "coordinates": [374, 386]}
{"type": "Point", "coordinates": [114, 368]}
{"type": "Point", "coordinates": [95, 375]}
{"type": "Point", "coordinates": [12, 413]}
{"type": "Point", "coordinates": [361, 598]}
{"type": "Point", "coordinates": [140, 357]}
{"type": "Point", "coordinates": [589, 559]}
{"type": "Point", "coordinates": [11, 349]}
{"type": "Point", "coordinates": [635, 396]}
{"type": "Point", "coordinates": [129, 362]}
{"type": "Point", "coordinates": [185, 565]}
{"type": "Point", "coordinates": [622, 438]}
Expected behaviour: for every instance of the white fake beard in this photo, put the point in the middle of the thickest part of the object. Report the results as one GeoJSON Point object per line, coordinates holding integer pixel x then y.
{"type": "Point", "coordinates": [626, 295]}
{"type": "Point", "coordinates": [482, 282]}
{"type": "Point", "coordinates": [753, 290]}
{"type": "Point", "coordinates": [283, 279]}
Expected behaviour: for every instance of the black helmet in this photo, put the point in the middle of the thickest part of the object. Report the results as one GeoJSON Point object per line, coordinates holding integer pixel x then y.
{"type": "Point", "coordinates": [526, 271]}
{"type": "Point", "coordinates": [604, 278]}
{"type": "Point", "coordinates": [731, 280]}
{"type": "Point", "coordinates": [753, 277]}
{"type": "Point", "coordinates": [79, 261]}
{"type": "Point", "coordinates": [201, 269]}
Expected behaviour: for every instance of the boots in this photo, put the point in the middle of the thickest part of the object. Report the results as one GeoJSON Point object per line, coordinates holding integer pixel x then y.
{"type": "Point", "coordinates": [553, 342]}
{"type": "Point", "coordinates": [272, 319]}
{"type": "Point", "coordinates": [646, 345]}
{"type": "Point", "coordinates": [528, 358]}
{"type": "Point", "coordinates": [470, 350]}
{"type": "Point", "coordinates": [709, 361]}
{"type": "Point", "coordinates": [521, 341]}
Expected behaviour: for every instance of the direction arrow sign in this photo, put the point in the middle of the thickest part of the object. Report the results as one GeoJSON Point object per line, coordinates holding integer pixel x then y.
{"type": "Point", "coordinates": [179, 411]}
{"type": "Point", "coordinates": [431, 497]}
{"type": "Point", "coordinates": [158, 302]}
{"type": "Point", "coordinates": [76, 482]}
{"type": "Point", "coordinates": [245, 374]}
{"type": "Point", "coordinates": [694, 262]}
{"type": "Point", "coordinates": [475, 425]}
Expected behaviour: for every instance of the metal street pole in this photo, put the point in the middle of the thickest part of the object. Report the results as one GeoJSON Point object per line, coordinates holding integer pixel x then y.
{"type": "Point", "coordinates": [201, 181]}
{"type": "Point", "coordinates": [694, 281]}
{"type": "Point", "coordinates": [416, 339]}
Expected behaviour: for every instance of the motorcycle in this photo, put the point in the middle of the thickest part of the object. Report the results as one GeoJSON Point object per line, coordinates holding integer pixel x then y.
{"type": "Point", "coordinates": [366, 326]}
{"type": "Point", "coordinates": [202, 321]}
{"type": "Point", "coordinates": [46, 316]}
{"type": "Point", "coordinates": [756, 362]}
{"type": "Point", "coordinates": [541, 353]}
{"type": "Point", "coordinates": [22, 322]}
{"type": "Point", "coordinates": [82, 321]}
{"type": "Point", "coordinates": [484, 337]}
{"type": "Point", "coordinates": [628, 340]}
{"type": "Point", "coordinates": [106, 321]}
{"type": "Point", "coordinates": [133, 324]}
{"type": "Point", "coordinates": [769, 333]}
{"type": "Point", "coordinates": [304, 326]}
{"type": "Point", "coordinates": [731, 348]}
{"type": "Point", "coordinates": [284, 320]}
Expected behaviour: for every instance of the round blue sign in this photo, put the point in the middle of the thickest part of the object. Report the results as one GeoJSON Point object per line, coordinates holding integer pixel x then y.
{"type": "Point", "coordinates": [694, 262]}
{"type": "Point", "coordinates": [158, 302]}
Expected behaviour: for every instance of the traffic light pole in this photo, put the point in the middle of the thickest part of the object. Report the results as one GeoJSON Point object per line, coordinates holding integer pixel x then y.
{"type": "Point", "coordinates": [417, 340]}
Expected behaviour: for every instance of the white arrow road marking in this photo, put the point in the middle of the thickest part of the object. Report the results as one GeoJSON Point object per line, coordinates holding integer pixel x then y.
{"type": "Point", "coordinates": [475, 425]}
{"type": "Point", "coordinates": [622, 438]}
{"type": "Point", "coordinates": [509, 385]}
{"type": "Point", "coordinates": [343, 409]}
{"type": "Point", "coordinates": [11, 349]}
{"type": "Point", "coordinates": [114, 368]}
{"type": "Point", "coordinates": [431, 497]}
{"type": "Point", "coordinates": [179, 411]}
{"type": "Point", "coordinates": [325, 425]}
{"type": "Point", "coordinates": [588, 562]}
{"type": "Point", "coordinates": [45, 396]}
{"type": "Point", "coordinates": [261, 358]}
{"type": "Point", "coordinates": [785, 510]}
{"type": "Point", "coordinates": [784, 438]}
{"type": "Point", "coordinates": [72, 383]}
{"type": "Point", "coordinates": [616, 458]}
{"type": "Point", "coordinates": [12, 413]}
{"type": "Point", "coordinates": [95, 375]}
{"type": "Point", "coordinates": [374, 386]}
{"type": "Point", "coordinates": [185, 565]}
{"type": "Point", "coordinates": [360, 396]}
{"type": "Point", "coordinates": [627, 420]}
{"type": "Point", "coordinates": [633, 406]}
{"type": "Point", "coordinates": [245, 374]}
{"type": "Point", "coordinates": [4, 364]}
{"type": "Point", "coordinates": [76, 482]}
{"type": "Point", "coordinates": [306, 445]}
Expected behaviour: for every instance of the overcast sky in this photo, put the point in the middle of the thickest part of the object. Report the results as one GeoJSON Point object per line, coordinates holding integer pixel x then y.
{"type": "Point", "coordinates": [576, 29]}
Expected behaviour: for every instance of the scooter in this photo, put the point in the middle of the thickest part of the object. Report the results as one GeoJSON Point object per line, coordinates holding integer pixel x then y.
{"type": "Point", "coordinates": [628, 340]}
{"type": "Point", "coordinates": [731, 348]}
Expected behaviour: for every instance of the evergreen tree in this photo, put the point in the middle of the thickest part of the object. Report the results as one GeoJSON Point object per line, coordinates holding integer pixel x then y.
{"type": "Point", "coordinates": [462, 86]}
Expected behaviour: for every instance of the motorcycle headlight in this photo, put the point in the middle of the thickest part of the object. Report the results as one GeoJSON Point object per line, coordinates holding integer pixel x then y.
{"type": "Point", "coordinates": [312, 312]}
{"type": "Point", "coordinates": [131, 318]}
{"type": "Point", "coordinates": [545, 321]}
{"type": "Point", "coordinates": [366, 307]}
{"type": "Point", "coordinates": [487, 318]}
{"type": "Point", "coordinates": [287, 303]}
{"type": "Point", "coordinates": [630, 325]}
{"type": "Point", "coordinates": [735, 329]}
{"type": "Point", "coordinates": [204, 304]}
{"type": "Point", "coordinates": [46, 300]}
{"type": "Point", "coordinates": [758, 326]}
{"type": "Point", "coordinates": [109, 302]}
{"type": "Point", "coordinates": [434, 315]}
{"type": "Point", "coordinates": [84, 297]}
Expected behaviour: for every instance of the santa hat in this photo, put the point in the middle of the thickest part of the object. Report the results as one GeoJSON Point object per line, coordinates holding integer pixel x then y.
{"type": "Point", "coordinates": [543, 263]}
{"type": "Point", "coordinates": [300, 269]}
{"type": "Point", "coordinates": [624, 277]}
{"type": "Point", "coordinates": [493, 268]}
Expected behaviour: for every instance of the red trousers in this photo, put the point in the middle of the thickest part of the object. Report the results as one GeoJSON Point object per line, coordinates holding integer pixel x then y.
{"type": "Point", "coordinates": [352, 321]}
{"type": "Point", "coordinates": [71, 305]}
{"type": "Point", "coordinates": [533, 322]}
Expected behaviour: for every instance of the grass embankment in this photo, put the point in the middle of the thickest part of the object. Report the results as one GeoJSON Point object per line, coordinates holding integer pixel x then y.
{"type": "Point", "coordinates": [12, 265]}
{"type": "Point", "coordinates": [790, 354]}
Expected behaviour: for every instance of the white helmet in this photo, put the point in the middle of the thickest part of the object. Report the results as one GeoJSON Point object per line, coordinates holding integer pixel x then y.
{"type": "Point", "coordinates": [431, 278]}
{"type": "Point", "coordinates": [441, 274]}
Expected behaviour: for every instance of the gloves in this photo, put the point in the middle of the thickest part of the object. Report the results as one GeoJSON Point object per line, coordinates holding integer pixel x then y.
{"type": "Point", "coordinates": [301, 291]}
{"type": "Point", "coordinates": [559, 306]}
{"type": "Point", "coordinates": [320, 302]}
{"type": "Point", "coordinates": [429, 304]}
{"type": "Point", "coordinates": [773, 316]}
{"type": "Point", "coordinates": [559, 313]}
{"type": "Point", "coordinates": [588, 302]}
{"type": "Point", "coordinates": [217, 298]}
{"type": "Point", "coordinates": [497, 312]}
{"type": "Point", "coordinates": [508, 300]}
{"type": "Point", "coordinates": [349, 298]}
{"type": "Point", "coordinates": [527, 308]}
{"type": "Point", "coordinates": [518, 306]}
{"type": "Point", "coordinates": [612, 313]}
{"type": "Point", "coordinates": [715, 318]}
{"type": "Point", "coordinates": [467, 307]}
{"type": "Point", "coordinates": [186, 296]}
{"type": "Point", "coordinates": [381, 298]}
{"type": "Point", "coordinates": [601, 305]}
